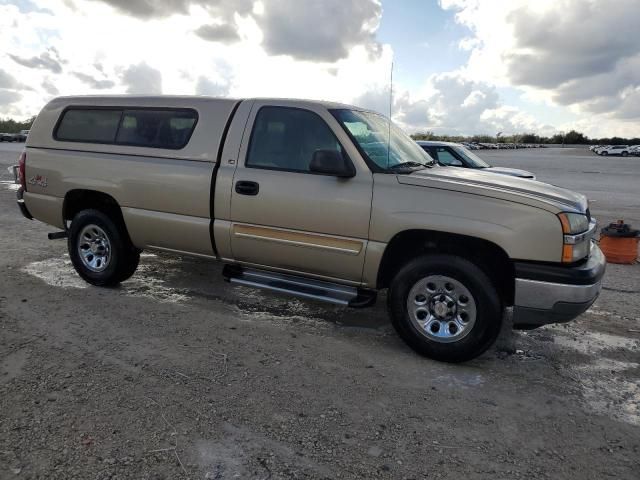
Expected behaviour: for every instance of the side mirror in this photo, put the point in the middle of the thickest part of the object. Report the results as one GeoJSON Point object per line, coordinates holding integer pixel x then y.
{"type": "Point", "coordinates": [331, 162]}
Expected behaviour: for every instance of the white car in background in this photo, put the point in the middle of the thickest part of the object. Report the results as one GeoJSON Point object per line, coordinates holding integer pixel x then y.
{"type": "Point", "coordinates": [622, 150]}
{"type": "Point", "coordinates": [450, 154]}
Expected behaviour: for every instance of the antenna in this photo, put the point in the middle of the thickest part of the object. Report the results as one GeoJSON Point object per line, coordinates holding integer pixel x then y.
{"type": "Point", "coordinates": [390, 113]}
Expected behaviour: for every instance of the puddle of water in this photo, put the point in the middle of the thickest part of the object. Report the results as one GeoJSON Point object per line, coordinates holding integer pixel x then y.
{"type": "Point", "coordinates": [59, 272]}
{"type": "Point", "coordinates": [605, 313]}
{"type": "Point", "coordinates": [146, 283]}
{"type": "Point", "coordinates": [607, 391]}
{"type": "Point", "coordinates": [460, 380]}
{"type": "Point", "coordinates": [607, 387]}
{"type": "Point", "coordinates": [594, 342]}
{"type": "Point", "coordinates": [10, 185]}
{"type": "Point", "coordinates": [294, 307]}
{"type": "Point", "coordinates": [150, 286]}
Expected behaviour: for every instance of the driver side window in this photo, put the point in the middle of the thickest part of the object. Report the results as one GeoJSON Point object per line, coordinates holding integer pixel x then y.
{"type": "Point", "coordinates": [285, 139]}
{"type": "Point", "coordinates": [445, 157]}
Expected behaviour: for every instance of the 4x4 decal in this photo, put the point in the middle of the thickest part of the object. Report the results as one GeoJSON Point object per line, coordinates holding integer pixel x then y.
{"type": "Point", "coordinates": [39, 180]}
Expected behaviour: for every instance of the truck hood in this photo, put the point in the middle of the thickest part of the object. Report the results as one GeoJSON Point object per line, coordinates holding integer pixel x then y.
{"type": "Point", "coordinates": [507, 187]}
{"type": "Point", "coordinates": [515, 172]}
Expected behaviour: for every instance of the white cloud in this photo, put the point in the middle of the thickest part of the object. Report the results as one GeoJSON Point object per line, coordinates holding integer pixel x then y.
{"type": "Point", "coordinates": [8, 97]}
{"type": "Point", "coordinates": [453, 104]}
{"type": "Point", "coordinates": [223, 32]}
{"type": "Point", "coordinates": [319, 31]}
{"type": "Point", "coordinates": [208, 87]}
{"type": "Point", "coordinates": [49, 60]}
{"type": "Point", "coordinates": [142, 79]}
{"type": "Point", "coordinates": [104, 47]}
{"type": "Point", "coordinates": [581, 54]}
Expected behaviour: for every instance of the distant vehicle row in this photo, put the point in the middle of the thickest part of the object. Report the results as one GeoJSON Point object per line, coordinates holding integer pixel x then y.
{"type": "Point", "coordinates": [500, 146]}
{"type": "Point", "coordinates": [14, 137]}
{"type": "Point", "coordinates": [621, 150]}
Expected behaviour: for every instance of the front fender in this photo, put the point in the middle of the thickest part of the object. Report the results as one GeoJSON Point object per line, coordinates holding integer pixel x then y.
{"type": "Point", "coordinates": [523, 231]}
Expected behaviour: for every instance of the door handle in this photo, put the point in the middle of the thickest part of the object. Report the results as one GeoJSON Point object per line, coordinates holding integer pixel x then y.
{"type": "Point", "coordinates": [244, 187]}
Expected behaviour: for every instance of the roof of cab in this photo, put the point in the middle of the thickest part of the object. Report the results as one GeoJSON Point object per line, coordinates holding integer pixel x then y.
{"type": "Point", "coordinates": [213, 115]}
{"type": "Point", "coordinates": [184, 100]}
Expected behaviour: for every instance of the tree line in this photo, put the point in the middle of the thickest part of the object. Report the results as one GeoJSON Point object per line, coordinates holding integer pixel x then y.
{"type": "Point", "coordinates": [570, 138]}
{"type": "Point", "coordinates": [9, 125]}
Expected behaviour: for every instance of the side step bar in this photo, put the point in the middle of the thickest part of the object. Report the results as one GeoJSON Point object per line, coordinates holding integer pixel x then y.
{"type": "Point", "coordinates": [300, 286]}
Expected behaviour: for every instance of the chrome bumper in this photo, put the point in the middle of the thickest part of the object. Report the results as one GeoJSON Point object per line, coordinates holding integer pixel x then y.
{"type": "Point", "coordinates": [540, 301]}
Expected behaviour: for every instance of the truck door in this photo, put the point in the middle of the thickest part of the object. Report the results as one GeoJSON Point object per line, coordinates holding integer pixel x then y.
{"type": "Point", "coordinates": [285, 217]}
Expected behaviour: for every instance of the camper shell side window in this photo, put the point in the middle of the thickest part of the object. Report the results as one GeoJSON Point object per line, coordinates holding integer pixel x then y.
{"type": "Point", "coordinates": [166, 128]}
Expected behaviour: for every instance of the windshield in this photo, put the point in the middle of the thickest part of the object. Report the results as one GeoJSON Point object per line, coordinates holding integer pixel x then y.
{"type": "Point", "coordinates": [371, 132]}
{"type": "Point", "coordinates": [472, 159]}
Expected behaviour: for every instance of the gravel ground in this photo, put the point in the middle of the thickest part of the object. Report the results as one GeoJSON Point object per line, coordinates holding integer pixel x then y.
{"type": "Point", "coordinates": [176, 374]}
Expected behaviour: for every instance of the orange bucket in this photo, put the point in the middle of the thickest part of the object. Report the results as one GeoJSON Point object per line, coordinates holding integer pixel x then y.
{"type": "Point", "coordinates": [619, 243]}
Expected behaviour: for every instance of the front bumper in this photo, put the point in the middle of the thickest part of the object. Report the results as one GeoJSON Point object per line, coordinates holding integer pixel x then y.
{"type": "Point", "coordinates": [554, 294]}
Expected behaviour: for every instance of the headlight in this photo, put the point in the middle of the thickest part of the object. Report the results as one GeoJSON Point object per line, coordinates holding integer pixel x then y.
{"type": "Point", "coordinates": [577, 234]}
{"type": "Point", "coordinates": [573, 223]}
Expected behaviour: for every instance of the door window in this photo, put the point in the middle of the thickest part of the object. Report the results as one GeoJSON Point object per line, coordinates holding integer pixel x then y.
{"type": "Point", "coordinates": [286, 138]}
{"type": "Point", "coordinates": [445, 157]}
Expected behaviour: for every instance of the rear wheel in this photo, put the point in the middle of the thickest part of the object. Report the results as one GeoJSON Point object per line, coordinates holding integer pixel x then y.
{"type": "Point", "coordinates": [445, 307]}
{"type": "Point", "coordinates": [604, 154]}
{"type": "Point", "coordinates": [100, 249]}
{"type": "Point", "coordinates": [625, 154]}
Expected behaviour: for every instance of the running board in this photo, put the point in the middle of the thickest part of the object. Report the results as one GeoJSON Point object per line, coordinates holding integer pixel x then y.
{"type": "Point", "coordinates": [300, 286]}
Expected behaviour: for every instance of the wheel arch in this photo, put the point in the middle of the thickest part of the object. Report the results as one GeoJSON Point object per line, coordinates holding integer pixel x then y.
{"type": "Point", "coordinates": [488, 256]}
{"type": "Point", "coordinates": [77, 200]}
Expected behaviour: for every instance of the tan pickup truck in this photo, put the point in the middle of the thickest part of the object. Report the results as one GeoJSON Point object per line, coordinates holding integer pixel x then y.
{"type": "Point", "coordinates": [316, 199]}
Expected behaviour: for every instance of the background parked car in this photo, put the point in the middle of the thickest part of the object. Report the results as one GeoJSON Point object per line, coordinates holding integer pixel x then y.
{"type": "Point", "coordinates": [456, 155]}
{"type": "Point", "coordinates": [22, 136]}
{"type": "Point", "coordinates": [7, 137]}
{"type": "Point", "coordinates": [622, 150]}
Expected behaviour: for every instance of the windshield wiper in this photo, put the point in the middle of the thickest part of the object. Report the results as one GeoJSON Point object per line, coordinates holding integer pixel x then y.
{"type": "Point", "coordinates": [410, 166]}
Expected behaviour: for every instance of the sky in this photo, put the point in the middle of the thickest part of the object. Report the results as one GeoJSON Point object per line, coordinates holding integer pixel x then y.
{"type": "Point", "coordinates": [459, 66]}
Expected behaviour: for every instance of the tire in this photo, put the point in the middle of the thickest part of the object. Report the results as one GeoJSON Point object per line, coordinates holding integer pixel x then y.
{"type": "Point", "coordinates": [100, 249]}
{"type": "Point", "coordinates": [604, 154]}
{"type": "Point", "coordinates": [625, 154]}
{"type": "Point", "coordinates": [468, 316]}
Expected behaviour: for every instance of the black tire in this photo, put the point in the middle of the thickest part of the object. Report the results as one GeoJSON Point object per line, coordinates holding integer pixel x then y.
{"type": "Point", "coordinates": [488, 307]}
{"type": "Point", "coordinates": [123, 257]}
{"type": "Point", "coordinates": [624, 154]}
{"type": "Point", "coordinates": [604, 154]}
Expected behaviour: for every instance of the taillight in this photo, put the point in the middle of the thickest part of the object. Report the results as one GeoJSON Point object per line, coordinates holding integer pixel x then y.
{"type": "Point", "coordinates": [21, 170]}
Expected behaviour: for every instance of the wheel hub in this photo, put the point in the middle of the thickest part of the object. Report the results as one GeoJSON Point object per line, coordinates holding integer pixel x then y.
{"type": "Point", "coordinates": [441, 308]}
{"type": "Point", "coordinates": [94, 248]}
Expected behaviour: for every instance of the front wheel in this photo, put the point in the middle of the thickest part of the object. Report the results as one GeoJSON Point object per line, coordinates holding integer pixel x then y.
{"type": "Point", "coordinates": [445, 307]}
{"type": "Point", "coordinates": [100, 249]}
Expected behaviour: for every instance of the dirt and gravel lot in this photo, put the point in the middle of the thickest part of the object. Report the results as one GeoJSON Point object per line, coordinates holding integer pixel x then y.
{"type": "Point", "coordinates": [176, 374]}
